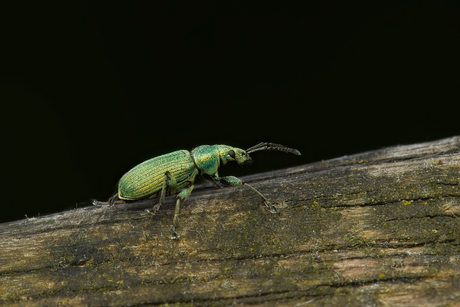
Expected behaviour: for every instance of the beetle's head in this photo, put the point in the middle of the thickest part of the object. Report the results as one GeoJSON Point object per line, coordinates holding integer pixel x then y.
{"type": "Point", "coordinates": [235, 154]}
{"type": "Point", "coordinates": [228, 153]}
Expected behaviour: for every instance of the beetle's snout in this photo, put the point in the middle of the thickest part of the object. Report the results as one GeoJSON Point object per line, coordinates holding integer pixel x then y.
{"type": "Point", "coordinates": [246, 161]}
{"type": "Point", "coordinates": [241, 157]}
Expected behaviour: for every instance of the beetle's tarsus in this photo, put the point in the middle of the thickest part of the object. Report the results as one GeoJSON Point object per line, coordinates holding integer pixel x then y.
{"type": "Point", "coordinates": [97, 202]}
{"type": "Point", "coordinates": [174, 234]}
{"type": "Point", "coordinates": [273, 208]}
{"type": "Point", "coordinates": [156, 208]}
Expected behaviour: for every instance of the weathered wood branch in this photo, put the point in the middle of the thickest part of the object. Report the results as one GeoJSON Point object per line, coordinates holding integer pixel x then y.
{"type": "Point", "coordinates": [379, 228]}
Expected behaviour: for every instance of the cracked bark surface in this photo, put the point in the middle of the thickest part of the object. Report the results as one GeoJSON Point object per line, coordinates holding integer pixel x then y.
{"type": "Point", "coordinates": [380, 228]}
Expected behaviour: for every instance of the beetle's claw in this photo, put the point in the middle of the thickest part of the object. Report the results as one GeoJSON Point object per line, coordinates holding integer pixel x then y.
{"type": "Point", "coordinates": [154, 210]}
{"type": "Point", "coordinates": [99, 203]}
{"type": "Point", "coordinates": [273, 208]}
{"type": "Point", "coordinates": [174, 234]}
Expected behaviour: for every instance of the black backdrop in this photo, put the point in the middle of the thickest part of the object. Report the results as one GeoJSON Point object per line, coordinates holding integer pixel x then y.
{"type": "Point", "coordinates": [89, 89]}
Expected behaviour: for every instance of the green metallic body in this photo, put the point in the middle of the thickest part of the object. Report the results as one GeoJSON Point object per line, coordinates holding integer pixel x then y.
{"type": "Point", "coordinates": [167, 174]}
{"type": "Point", "coordinates": [146, 179]}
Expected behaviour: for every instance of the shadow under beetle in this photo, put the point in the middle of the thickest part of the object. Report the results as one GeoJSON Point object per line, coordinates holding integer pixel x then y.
{"type": "Point", "coordinates": [166, 174]}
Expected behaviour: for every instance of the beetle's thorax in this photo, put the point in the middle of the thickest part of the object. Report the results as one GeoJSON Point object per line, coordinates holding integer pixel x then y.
{"type": "Point", "coordinates": [206, 159]}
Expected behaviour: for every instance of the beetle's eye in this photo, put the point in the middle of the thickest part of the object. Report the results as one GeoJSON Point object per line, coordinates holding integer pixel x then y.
{"type": "Point", "coordinates": [231, 153]}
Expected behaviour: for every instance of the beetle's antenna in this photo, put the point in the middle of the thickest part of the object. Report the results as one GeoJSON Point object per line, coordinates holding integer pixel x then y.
{"type": "Point", "coordinates": [272, 146]}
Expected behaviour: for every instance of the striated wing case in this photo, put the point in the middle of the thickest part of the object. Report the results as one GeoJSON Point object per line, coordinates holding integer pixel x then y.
{"type": "Point", "coordinates": [146, 178]}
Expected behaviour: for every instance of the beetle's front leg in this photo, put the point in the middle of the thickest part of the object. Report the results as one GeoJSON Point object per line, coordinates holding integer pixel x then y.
{"type": "Point", "coordinates": [233, 181]}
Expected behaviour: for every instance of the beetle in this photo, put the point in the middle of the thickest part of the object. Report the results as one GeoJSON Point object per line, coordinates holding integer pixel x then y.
{"type": "Point", "coordinates": [166, 174]}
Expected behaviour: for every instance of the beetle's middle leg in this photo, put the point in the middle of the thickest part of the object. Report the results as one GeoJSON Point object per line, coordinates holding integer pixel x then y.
{"type": "Point", "coordinates": [182, 196]}
{"type": "Point", "coordinates": [169, 181]}
{"type": "Point", "coordinates": [234, 181]}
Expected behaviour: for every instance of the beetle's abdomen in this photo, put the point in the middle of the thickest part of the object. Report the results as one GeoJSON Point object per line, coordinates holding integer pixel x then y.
{"type": "Point", "coordinates": [147, 178]}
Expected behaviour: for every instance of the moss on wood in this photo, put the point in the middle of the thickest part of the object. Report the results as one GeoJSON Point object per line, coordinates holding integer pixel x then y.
{"type": "Point", "coordinates": [377, 228]}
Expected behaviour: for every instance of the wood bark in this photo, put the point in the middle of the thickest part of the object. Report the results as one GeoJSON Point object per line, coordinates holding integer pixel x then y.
{"type": "Point", "coordinates": [380, 228]}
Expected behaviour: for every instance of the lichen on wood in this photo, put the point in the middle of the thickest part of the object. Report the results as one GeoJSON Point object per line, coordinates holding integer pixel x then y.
{"type": "Point", "coordinates": [378, 228]}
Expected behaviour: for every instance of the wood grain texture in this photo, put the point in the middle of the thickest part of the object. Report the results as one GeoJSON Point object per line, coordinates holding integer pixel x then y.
{"type": "Point", "coordinates": [380, 228]}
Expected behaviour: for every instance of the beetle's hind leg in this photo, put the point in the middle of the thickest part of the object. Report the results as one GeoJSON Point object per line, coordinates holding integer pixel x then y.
{"type": "Point", "coordinates": [168, 181]}
{"type": "Point", "coordinates": [113, 199]}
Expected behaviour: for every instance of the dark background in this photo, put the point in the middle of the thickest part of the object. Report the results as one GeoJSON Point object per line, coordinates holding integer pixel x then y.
{"type": "Point", "coordinates": [90, 89]}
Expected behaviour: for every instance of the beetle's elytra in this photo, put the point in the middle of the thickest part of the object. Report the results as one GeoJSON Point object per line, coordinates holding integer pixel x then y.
{"type": "Point", "coordinates": [167, 174]}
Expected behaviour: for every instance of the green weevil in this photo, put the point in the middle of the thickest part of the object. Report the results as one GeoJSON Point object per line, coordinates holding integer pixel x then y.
{"type": "Point", "coordinates": [164, 175]}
